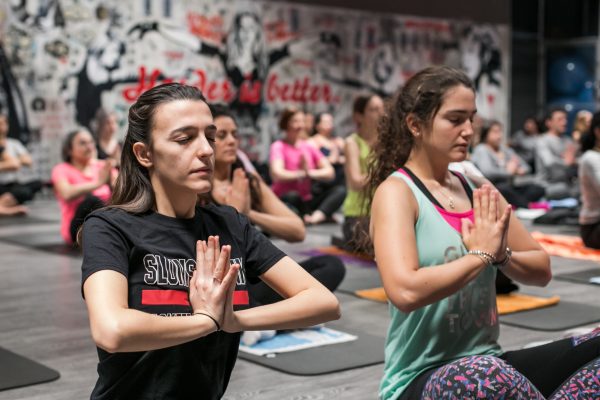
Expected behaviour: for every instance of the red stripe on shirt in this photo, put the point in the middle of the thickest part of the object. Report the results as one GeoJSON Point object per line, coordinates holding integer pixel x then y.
{"type": "Point", "coordinates": [165, 297]}
{"type": "Point", "coordinates": [240, 297]}
{"type": "Point", "coordinates": [180, 298]}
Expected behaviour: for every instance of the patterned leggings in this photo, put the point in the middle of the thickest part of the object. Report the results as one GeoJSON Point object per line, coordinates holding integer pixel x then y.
{"type": "Point", "coordinates": [566, 369]}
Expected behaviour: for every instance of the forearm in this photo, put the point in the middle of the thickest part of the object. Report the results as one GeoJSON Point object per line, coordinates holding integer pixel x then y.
{"type": "Point", "coordinates": [428, 285]}
{"type": "Point", "coordinates": [9, 164]}
{"type": "Point", "coordinates": [496, 175]}
{"type": "Point", "coordinates": [284, 227]}
{"type": "Point", "coordinates": [74, 191]}
{"type": "Point", "coordinates": [132, 330]}
{"type": "Point", "coordinates": [322, 174]}
{"type": "Point", "coordinates": [284, 175]}
{"type": "Point", "coordinates": [357, 182]}
{"type": "Point", "coordinates": [529, 267]}
{"type": "Point", "coordinates": [308, 307]}
{"type": "Point", "coordinates": [25, 160]}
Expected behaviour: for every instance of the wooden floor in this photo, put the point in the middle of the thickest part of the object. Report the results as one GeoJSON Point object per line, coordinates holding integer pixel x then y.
{"type": "Point", "coordinates": [43, 317]}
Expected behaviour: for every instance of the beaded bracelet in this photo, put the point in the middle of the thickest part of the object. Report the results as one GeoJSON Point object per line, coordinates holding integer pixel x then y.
{"type": "Point", "coordinates": [487, 258]}
{"type": "Point", "coordinates": [211, 317]}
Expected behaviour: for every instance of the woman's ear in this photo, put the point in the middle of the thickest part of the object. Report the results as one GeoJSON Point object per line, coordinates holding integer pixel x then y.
{"type": "Point", "coordinates": [413, 125]}
{"type": "Point", "coordinates": [142, 154]}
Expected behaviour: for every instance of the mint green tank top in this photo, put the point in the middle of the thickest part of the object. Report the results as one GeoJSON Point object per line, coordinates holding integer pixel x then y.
{"type": "Point", "coordinates": [352, 203]}
{"type": "Point", "coordinates": [461, 325]}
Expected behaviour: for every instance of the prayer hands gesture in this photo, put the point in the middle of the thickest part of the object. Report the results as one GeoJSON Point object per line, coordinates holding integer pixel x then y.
{"type": "Point", "coordinates": [238, 194]}
{"type": "Point", "coordinates": [213, 282]}
{"type": "Point", "coordinates": [105, 172]}
{"type": "Point", "coordinates": [490, 229]}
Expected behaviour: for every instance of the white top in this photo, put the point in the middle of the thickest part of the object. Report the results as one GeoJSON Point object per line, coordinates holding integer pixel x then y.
{"type": "Point", "coordinates": [549, 163]}
{"type": "Point", "coordinates": [589, 181]}
{"type": "Point", "coordinates": [15, 149]}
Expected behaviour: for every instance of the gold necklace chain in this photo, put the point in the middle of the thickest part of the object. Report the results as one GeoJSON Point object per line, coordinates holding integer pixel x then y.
{"type": "Point", "coordinates": [450, 198]}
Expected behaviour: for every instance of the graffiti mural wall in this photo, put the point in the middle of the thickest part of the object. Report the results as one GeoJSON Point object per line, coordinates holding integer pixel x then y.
{"type": "Point", "coordinates": [61, 60]}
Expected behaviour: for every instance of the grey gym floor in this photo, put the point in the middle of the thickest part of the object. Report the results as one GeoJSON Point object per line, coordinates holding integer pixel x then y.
{"type": "Point", "coordinates": [43, 317]}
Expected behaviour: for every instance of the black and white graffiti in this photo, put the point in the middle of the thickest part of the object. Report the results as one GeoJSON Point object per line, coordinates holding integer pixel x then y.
{"type": "Point", "coordinates": [61, 60]}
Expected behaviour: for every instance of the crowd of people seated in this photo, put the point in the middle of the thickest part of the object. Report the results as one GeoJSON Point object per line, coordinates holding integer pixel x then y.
{"type": "Point", "coordinates": [316, 171]}
{"type": "Point", "coordinates": [403, 167]}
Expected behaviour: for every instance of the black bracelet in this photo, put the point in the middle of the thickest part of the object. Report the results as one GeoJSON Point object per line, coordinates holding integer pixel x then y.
{"type": "Point", "coordinates": [211, 317]}
{"type": "Point", "coordinates": [506, 260]}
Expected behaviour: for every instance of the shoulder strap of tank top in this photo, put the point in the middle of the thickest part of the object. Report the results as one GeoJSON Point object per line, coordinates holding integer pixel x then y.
{"type": "Point", "coordinates": [428, 194]}
{"type": "Point", "coordinates": [465, 185]}
{"type": "Point", "coordinates": [422, 187]}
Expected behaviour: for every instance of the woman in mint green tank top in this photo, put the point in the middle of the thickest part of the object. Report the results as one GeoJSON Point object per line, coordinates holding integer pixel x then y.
{"type": "Point", "coordinates": [439, 239]}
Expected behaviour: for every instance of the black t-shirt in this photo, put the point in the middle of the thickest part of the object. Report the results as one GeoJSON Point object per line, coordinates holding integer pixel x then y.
{"type": "Point", "coordinates": [157, 255]}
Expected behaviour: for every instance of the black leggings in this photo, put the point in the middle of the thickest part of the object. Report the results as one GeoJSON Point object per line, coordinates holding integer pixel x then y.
{"type": "Point", "coordinates": [89, 204]}
{"type": "Point", "coordinates": [329, 270]}
{"type": "Point", "coordinates": [326, 199]}
{"type": "Point", "coordinates": [22, 192]}
{"type": "Point", "coordinates": [590, 234]}
{"type": "Point", "coordinates": [544, 370]}
{"type": "Point", "coordinates": [520, 196]}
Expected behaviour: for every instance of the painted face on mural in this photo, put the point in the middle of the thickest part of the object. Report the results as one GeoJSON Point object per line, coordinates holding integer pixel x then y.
{"type": "Point", "coordinates": [110, 56]}
{"type": "Point", "coordinates": [181, 156]}
{"type": "Point", "coordinates": [248, 31]}
{"type": "Point", "coordinates": [255, 58]}
{"type": "Point", "coordinates": [226, 143]}
{"type": "Point", "coordinates": [452, 128]}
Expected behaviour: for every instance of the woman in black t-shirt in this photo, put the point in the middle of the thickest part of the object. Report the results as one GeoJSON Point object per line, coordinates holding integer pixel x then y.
{"type": "Point", "coordinates": [166, 301]}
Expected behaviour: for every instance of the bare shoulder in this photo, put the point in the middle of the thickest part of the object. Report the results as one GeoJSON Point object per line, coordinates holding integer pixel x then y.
{"type": "Point", "coordinates": [395, 192]}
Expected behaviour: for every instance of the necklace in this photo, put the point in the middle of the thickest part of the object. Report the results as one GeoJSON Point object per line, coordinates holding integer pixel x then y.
{"type": "Point", "coordinates": [450, 198]}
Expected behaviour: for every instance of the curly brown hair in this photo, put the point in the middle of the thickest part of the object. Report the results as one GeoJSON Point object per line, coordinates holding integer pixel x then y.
{"type": "Point", "coordinates": [422, 96]}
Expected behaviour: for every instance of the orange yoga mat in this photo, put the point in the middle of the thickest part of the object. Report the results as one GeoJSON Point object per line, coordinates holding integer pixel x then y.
{"type": "Point", "coordinates": [515, 302]}
{"type": "Point", "coordinates": [507, 303]}
{"type": "Point", "coordinates": [566, 246]}
{"type": "Point", "coordinates": [375, 294]}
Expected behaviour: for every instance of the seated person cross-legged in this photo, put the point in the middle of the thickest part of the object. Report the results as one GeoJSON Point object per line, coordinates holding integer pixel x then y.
{"type": "Point", "coordinates": [247, 193]}
{"type": "Point", "coordinates": [82, 182]}
{"type": "Point", "coordinates": [15, 160]}
{"type": "Point", "coordinates": [294, 165]}
{"type": "Point", "coordinates": [589, 182]}
{"type": "Point", "coordinates": [503, 167]}
{"type": "Point", "coordinates": [439, 239]}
